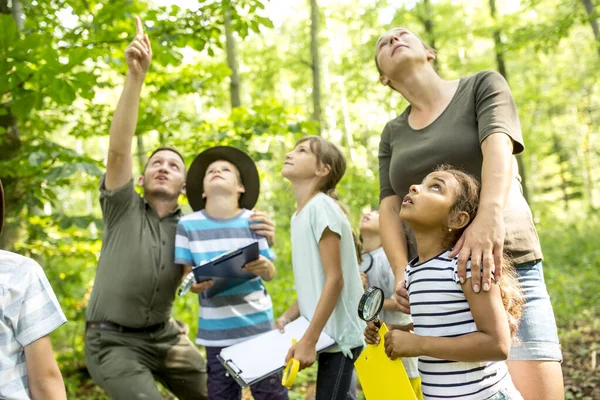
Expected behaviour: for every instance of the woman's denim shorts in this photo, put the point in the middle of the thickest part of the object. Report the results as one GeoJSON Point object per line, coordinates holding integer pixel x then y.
{"type": "Point", "coordinates": [506, 394]}
{"type": "Point", "coordinates": [537, 334]}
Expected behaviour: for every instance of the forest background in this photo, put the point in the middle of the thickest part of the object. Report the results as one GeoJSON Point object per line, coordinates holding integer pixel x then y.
{"type": "Point", "coordinates": [259, 75]}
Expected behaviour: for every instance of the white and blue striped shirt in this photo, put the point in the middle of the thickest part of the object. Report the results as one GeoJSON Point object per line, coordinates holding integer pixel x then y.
{"type": "Point", "coordinates": [242, 311]}
{"type": "Point", "coordinates": [29, 311]}
{"type": "Point", "coordinates": [439, 308]}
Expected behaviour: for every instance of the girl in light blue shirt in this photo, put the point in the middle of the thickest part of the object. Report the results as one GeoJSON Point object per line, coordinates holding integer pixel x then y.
{"type": "Point", "coordinates": [324, 258]}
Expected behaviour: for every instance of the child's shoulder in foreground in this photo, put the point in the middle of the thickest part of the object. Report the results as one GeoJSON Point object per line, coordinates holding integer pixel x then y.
{"type": "Point", "coordinates": [11, 263]}
{"type": "Point", "coordinates": [25, 289]}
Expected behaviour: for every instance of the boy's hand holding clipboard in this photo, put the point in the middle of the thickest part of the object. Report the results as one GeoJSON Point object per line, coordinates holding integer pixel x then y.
{"type": "Point", "coordinates": [202, 286]}
{"type": "Point", "coordinates": [262, 267]}
{"type": "Point", "coordinates": [222, 272]}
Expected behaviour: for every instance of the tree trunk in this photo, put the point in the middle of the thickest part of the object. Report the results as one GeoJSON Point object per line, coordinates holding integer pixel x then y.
{"type": "Point", "coordinates": [141, 153]}
{"type": "Point", "coordinates": [11, 142]}
{"type": "Point", "coordinates": [18, 14]}
{"type": "Point", "coordinates": [591, 13]}
{"type": "Point", "coordinates": [9, 147]}
{"type": "Point", "coordinates": [234, 80]}
{"type": "Point", "coordinates": [497, 34]}
{"type": "Point", "coordinates": [564, 184]}
{"type": "Point", "coordinates": [587, 149]}
{"type": "Point", "coordinates": [347, 120]}
{"type": "Point", "coordinates": [498, 42]}
{"type": "Point", "coordinates": [427, 20]}
{"type": "Point", "coordinates": [315, 62]}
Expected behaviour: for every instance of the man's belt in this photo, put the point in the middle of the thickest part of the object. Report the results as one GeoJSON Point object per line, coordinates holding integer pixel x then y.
{"type": "Point", "coordinates": [111, 326]}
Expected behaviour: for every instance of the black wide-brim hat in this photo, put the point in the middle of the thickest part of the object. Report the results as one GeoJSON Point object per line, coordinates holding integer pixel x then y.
{"type": "Point", "coordinates": [1, 207]}
{"type": "Point", "coordinates": [247, 168]}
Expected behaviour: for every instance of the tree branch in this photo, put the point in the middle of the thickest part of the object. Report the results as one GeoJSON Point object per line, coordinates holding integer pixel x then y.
{"type": "Point", "coordinates": [172, 33]}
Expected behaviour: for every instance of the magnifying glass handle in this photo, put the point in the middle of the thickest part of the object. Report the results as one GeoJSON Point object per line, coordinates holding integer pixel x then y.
{"type": "Point", "coordinates": [291, 370]}
{"type": "Point", "coordinates": [187, 283]}
{"type": "Point", "coordinates": [377, 322]}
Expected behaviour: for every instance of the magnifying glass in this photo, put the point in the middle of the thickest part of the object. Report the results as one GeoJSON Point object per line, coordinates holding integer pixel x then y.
{"type": "Point", "coordinates": [367, 263]}
{"type": "Point", "coordinates": [370, 305]}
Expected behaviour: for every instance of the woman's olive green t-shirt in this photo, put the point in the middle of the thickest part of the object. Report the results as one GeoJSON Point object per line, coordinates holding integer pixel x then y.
{"type": "Point", "coordinates": [481, 106]}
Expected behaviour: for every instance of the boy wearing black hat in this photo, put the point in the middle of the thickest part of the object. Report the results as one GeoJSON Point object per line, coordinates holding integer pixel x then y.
{"type": "Point", "coordinates": [223, 186]}
{"type": "Point", "coordinates": [30, 312]}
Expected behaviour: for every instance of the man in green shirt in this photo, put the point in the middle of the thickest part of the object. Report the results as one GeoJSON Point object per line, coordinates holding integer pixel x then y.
{"type": "Point", "coordinates": [130, 338]}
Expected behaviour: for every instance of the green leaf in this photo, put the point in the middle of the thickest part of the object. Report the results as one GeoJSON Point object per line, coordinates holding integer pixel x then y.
{"type": "Point", "coordinates": [62, 92]}
{"type": "Point", "coordinates": [89, 169]}
{"type": "Point", "coordinates": [37, 158]}
{"type": "Point", "coordinates": [10, 33]}
{"type": "Point", "coordinates": [23, 104]}
{"type": "Point", "coordinates": [264, 21]}
{"type": "Point", "coordinates": [78, 55]}
{"type": "Point", "coordinates": [60, 172]}
{"type": "Point", "coordinates": [22, 71]}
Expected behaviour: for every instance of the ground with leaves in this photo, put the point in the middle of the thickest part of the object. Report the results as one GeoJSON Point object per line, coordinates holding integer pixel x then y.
{"type": "Point", "coordinates": [580, 366]}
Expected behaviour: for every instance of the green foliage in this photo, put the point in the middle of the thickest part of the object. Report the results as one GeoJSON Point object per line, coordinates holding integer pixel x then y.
{"type": "Point", "coordinates": [571, 266]}
{"type": "Point", "coordinates": [55, 66]}
{"type": "Point", "coordinates": [62, 72]}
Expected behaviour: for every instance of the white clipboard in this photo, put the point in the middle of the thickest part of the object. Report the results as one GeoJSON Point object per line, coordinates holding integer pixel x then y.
{"type": "Point", "coordinates": [255, 359]}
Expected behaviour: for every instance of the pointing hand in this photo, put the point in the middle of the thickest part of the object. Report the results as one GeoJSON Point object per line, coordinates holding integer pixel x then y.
{"type": "Point", "coordinates": [139, 52]}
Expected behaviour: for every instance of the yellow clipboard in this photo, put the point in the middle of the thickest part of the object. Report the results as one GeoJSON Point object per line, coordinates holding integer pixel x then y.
{"type": "Point", "coordinates": [380, 377]}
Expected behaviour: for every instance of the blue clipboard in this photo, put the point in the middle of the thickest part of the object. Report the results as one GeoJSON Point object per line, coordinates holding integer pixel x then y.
{"type": "Point", "coordinates": [226, 270]}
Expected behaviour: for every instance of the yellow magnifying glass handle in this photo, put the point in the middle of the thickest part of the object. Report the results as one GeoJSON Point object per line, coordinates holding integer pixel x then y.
{"type": "Point", "coordinates": [290, 371]}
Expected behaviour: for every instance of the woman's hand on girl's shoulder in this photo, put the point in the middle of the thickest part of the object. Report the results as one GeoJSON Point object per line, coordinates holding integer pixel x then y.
{"type": "Point", "coordinates": [482, 243]}
{"type": "Point", "coordinates": [304, 352]}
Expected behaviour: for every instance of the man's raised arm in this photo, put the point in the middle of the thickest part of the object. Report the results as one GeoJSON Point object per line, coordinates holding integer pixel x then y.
{"type": "Point", "coordinates": [119, 164]}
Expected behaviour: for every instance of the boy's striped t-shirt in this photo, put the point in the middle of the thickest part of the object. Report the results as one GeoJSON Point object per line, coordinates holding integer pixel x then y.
{"type": "Point", "coordinates": [242, 311]}
{"type": "Point", "coordinates": [439, 308]}
{"type": "Point", "coordinates": [29, 311]}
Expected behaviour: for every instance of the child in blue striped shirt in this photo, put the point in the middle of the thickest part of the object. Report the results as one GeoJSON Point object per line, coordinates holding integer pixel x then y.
{"type": "Point", "coordinates": [223, 186]}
